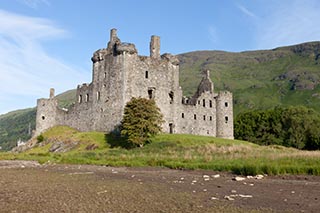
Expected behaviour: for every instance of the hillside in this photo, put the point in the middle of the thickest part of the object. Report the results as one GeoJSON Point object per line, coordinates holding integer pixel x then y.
{"type": "Point", "coordinates": [258, 79]}
{"type": "Point", "coordinates": [65, 145]}
{"type": "Point", "coordinates": [19, 124]}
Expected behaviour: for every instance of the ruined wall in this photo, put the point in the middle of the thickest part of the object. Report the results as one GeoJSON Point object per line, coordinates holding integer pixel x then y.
{"type": "Point", "coordinates": [119, 74]}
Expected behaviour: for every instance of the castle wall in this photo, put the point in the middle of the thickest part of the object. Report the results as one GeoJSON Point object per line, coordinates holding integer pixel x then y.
{"type": "Point", "coordinates": [155, 79]}
{"type": "Point", "coordinates": [46, 114]}
{"type": "Point", "coordinates": [119, 74]}
{"type": "Point", "coordinates": [198, 119]}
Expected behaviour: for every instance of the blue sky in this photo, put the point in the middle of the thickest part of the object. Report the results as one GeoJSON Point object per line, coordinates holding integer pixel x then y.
{"type": "Point", "coordinates": [49, 43]}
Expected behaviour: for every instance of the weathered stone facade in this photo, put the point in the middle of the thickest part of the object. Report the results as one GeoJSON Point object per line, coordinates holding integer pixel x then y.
{"type": "Point", "coordinates": [119, 74]}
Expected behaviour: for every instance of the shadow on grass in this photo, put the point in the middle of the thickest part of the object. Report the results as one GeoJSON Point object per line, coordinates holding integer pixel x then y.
{"type": "Point", "coordinates": [115, 140]}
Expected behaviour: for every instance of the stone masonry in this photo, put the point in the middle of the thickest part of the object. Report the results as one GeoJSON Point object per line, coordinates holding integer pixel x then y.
{"type": "Point", "coordinates": [119, 74]}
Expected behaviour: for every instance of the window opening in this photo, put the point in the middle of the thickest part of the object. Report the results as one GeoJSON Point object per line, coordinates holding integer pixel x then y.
{"type": "Point", "coordinates": [87, 97]}
{"type": "Point", "coordinates": [150, 93]}
{"type": "Point", "coordinates": [171, 97]}
{"type": "Point", "coordinates": [195, 117]}
{"type": "Point", "coordinates": [204, 103]}
{"type": "Point", "coordinates": [204, 117]}
{"type": "Point", "coordinates": [43, 117]}
{"type": "Point", "coordinates": [210, 118]}
{"type": "Point", "coordinates": [226, 104]}
{"type": "Point", "coordinates": [182, 115]}
{"type": "Point", "coordinates": [226, 119]}
{"type": "Point", "coordinates": [98, 96]}
{"type": "Point", "coordinates": [80, 99]}
{"type": "Point", "coordinates": [105, 75]}
{"type": "Point", "coordinates": [210, 103]}
{"type": "Point", "coordinates": [147, 74]}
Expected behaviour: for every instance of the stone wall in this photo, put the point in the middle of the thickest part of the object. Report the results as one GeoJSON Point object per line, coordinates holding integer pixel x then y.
{"type": "Point", "coordinates": [119, 74]}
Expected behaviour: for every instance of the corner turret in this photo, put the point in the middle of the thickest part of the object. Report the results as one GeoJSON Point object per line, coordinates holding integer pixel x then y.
{"type": "Point", "coordinates": [206, 85]}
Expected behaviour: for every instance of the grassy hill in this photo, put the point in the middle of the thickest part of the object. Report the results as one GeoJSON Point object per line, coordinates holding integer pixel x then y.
{"type": "Point", "coordinates": [172, 151]}
{"type": "Point", "coordinates": [258, 79]}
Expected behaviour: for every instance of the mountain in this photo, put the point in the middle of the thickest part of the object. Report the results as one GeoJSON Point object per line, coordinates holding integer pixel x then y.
{"type": "Point", "coordinates": [258, 79]}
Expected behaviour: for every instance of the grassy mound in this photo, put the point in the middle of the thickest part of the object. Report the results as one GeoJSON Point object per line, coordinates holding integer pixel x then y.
{"type": "Point", "coordinates": [177, 152]}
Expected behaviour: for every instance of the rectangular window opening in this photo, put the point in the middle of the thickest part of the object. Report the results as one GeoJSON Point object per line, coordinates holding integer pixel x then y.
{"type": "Point", "coordinates": [226, 119]}
{"type": "Point", "coordinates": [226, 104]}
{"type": "Point", "coordinates": [204, 103]}
{"type": "Point", "coordinates": [210, 103]}
{"type": "Point", "coordinates": [146, 74]}
{"type": "Point", "coordinates": [80, 99]}
{"type": "Point", "coordinates": [171, 97]}
{"type": "Point", "coordinates": [98, 95]}
{"type": "Point", "coordinates": [182, 115]}
{"type": "Point", "coordinates": [151, 93]}
{"type": "Point", "coordinates": [210, 118]}
{"type": "Point", "coordinates": [204, 117]}
{"type": "Point", "coordinates": [195, 117]}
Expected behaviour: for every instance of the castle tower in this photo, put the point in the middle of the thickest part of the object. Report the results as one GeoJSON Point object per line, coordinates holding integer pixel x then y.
{"type": "Point", "coordinates": [155, 47]}
{"type": "Point", "coordinates": [224, 115]}
{"type": "Point", "coordinates": [46, 113]}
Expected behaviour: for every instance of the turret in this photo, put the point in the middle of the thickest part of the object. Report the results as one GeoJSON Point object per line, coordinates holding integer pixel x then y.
{"type": "Point", "coordinates": [224, 115]}
{"type": "Point", "coordinates": [206, 85]}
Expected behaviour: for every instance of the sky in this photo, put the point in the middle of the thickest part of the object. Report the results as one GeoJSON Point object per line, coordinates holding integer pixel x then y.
{"type": "Point", "coordinates": [49, 43]}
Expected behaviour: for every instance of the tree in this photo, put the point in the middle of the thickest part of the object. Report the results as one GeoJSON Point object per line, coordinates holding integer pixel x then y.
{"type": "Point", "coordinates": [142, 119]}
{"type": "Point", "coordinates": [296, 127]}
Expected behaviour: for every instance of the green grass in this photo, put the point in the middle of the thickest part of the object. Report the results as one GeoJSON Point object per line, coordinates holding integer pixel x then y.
{"type": "Point", "coordinates": [177, 152]}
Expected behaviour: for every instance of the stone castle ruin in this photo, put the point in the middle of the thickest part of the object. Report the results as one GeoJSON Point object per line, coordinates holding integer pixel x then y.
{"type": "Point", "coordinates": [119, 74]}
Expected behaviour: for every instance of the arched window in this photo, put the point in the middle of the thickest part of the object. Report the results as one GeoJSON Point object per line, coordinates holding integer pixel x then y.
{"type": "Point", "coordinates": [80, 99]}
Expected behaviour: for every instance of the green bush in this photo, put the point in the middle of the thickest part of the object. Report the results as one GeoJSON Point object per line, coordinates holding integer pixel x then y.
{"type": "Point", "coordinates": [40, 138]}
{"type": "Point", "coordinates": [142, 119]}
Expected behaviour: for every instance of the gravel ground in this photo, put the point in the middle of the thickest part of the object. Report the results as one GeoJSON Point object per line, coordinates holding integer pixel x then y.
{"type": "Point", "coordinates": [26, 186]}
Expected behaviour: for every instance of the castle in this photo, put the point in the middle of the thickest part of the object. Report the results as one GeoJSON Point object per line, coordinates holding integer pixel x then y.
{"type": "Point", "coordinates": [119, 74]}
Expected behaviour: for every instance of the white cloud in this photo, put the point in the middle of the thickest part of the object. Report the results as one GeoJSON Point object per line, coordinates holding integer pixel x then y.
{"type": "Point", "coordinates": [34, 4]}
{"type": "Point", "coordinates": [290, 22]}
{"type": "Point", "coordinates": [246, 11]}
{"type": "Point", "coordinates": [27, 71]}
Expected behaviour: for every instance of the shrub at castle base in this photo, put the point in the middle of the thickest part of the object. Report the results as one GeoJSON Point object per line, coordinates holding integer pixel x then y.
{"type": "Point", "coordinates": [119, 74]}
{"type": "Point", "coordinates": [142, 119]}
